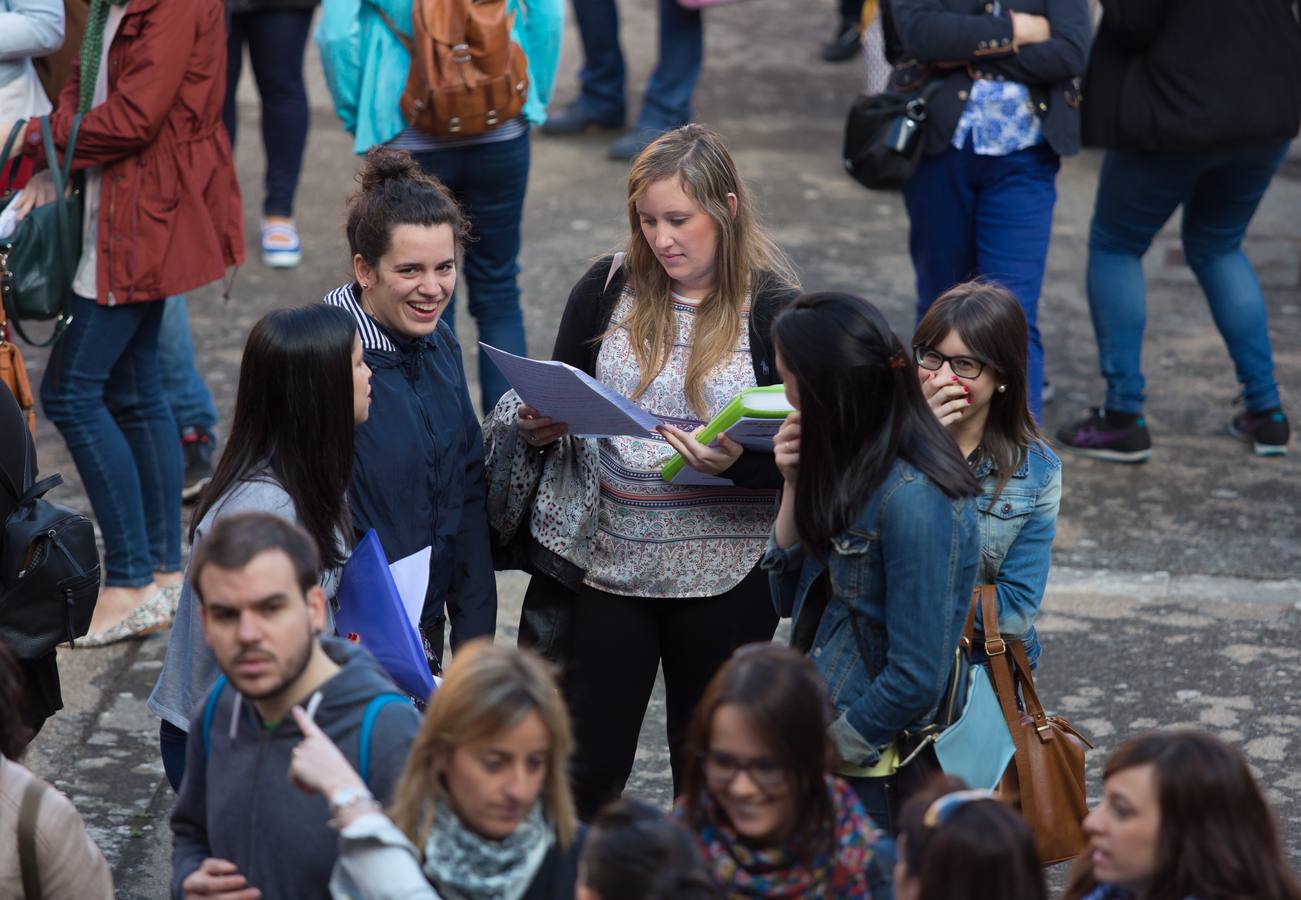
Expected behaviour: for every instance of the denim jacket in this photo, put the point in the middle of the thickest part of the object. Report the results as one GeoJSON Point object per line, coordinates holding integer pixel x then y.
{"type": "Point", "coordinates": [904, 569]}
{"type": "Point", "coordinates": [1016, 540]}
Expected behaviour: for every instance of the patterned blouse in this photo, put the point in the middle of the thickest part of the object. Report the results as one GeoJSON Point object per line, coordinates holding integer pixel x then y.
{"type": "Point", "coordinates": [999, 117]}
{"type": "Point", "coordinates": [656, 539]}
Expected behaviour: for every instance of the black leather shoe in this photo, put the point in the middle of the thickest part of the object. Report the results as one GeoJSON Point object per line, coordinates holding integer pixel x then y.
{"type": "Point", "coordinates": [575, 119]}
{"type": "Point", "coordinates": [846, 44]}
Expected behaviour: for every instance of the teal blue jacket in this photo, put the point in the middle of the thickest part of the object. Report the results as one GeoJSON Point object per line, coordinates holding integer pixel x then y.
{"type": "Point", "coordinates": [366, 66]}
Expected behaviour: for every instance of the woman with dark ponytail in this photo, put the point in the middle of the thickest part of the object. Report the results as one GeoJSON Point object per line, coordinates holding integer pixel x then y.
{"type": "Point", "coordinates": [418, 469]}
{"type": "Point", "coordinates": [878, 504]}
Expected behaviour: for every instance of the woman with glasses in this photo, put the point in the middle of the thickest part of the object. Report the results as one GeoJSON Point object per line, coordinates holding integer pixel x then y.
{"type": "Point", "coordinates": [970, 349]}
{"type": "Point", "coordinates": [875, 547]}
{"type": "Point", "coordinates": [768, 817]}
{"type": "Point", "coordinates": [958, 844]}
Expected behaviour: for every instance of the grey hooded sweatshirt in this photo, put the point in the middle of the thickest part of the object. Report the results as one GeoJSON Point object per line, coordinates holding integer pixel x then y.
{"type": "Point", "coordinates": [237, 803]}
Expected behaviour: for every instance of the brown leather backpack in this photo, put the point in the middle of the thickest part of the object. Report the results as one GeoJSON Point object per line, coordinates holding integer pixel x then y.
{"type": "Point", "coordinates": [467, 76]}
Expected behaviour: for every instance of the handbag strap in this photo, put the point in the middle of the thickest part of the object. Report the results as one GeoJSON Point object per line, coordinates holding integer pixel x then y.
{"type": "Point", "coordinates": [28, 862]}
{"type": "Point", "coordinates": [9, 142]}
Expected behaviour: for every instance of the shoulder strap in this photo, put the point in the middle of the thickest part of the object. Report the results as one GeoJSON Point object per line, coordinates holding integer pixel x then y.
{"type": "Point", "coordinates": [28, 862]}
{"type": "Point", "coordinates": [9, 142]}
{"type": "Point", "coordinates": [402, 38]}
{"type": "Point", "coordinates": [209, 710]}
{"type": "Point", "coordinates": [616, 263]}
{"type": "Point", "coordinates": [367, 726]}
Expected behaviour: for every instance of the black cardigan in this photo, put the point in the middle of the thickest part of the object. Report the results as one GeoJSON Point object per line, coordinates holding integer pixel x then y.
{"type": "Point", "coordinates": [1193, 75]}
{"type": "Point", "coordinates": [587, 316]}
{"type": "Point", "coordinates": [973, 33]}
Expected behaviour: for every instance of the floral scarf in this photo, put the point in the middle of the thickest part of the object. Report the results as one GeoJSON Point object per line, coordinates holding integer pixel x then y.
{"type": "Point", "coordinates": [744, 871]}
{"type": "Point", "coordinates": [463, 866]}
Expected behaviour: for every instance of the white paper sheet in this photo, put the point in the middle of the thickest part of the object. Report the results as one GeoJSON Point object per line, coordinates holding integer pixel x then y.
{"type": "Point", "coordinates": [570, 395]}
{"type": "Point", "coordinates": [411, 575]}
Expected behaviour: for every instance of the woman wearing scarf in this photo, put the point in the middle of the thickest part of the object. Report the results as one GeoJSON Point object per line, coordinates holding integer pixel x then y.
{"type": "Point", "coordinates": [769, 820]}
{"type": "Point", "coordinates": [162, 217]}
{"type": "Point", "coordinates": [483, 810]}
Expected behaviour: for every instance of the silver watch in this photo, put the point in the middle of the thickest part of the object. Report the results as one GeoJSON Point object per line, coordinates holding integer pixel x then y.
{"type": "Point", "coordinates": [345, 797]}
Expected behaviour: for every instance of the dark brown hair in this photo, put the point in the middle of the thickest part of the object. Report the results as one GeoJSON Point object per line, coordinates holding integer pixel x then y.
{"type": "Point", "coordinates": [14, 733]}
{"type": "Point", "coordinates": [981, 849]}
{"type": "Point", "coordinates": [396, 191]}
{"type": "Point", "coordinates": [861, 409]}
{"type": "Point", "coordinates": [1217, 839]}
{"type": "Point", "coordinates": [632, 852]}
{"type": "Point", "coordinates": [235, 540]}
{"type": "Point", "coordinates": [294, 419]}
{"type": "Point", "coordinates": [785, 701]}
{"type": "Point", "coordinates": [992, 324]}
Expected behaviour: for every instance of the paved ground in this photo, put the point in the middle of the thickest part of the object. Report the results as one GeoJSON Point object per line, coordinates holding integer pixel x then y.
{"type": "Point", "coordinates": [1177, 597]}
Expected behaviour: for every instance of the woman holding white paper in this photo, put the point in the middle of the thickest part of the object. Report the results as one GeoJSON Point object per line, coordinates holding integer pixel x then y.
{"type": "Point", "coordinates": [679, 324]}
{"type": "Point", "coordinates": [290, 454]}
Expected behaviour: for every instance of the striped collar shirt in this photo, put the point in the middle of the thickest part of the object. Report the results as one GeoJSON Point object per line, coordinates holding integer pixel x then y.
{"type": "Point", "coordinates": [372, 335]}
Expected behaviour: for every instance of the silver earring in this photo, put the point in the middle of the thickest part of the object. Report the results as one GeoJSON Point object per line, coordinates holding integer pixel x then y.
{"type": "Point", "coordinates": [1002, 388]}
{"type": "Point", "coordinates": [365, 286]}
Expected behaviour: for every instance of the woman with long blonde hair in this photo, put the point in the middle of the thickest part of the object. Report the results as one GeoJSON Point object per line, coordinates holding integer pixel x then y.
{"type": "Point", "coordinates": [483, 810]}
{"type": "Point", "coordinates": [678, 323]}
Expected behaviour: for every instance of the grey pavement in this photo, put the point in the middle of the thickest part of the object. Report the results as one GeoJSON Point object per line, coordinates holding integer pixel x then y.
{"type": "Point", "coordinates": [1177, 594]}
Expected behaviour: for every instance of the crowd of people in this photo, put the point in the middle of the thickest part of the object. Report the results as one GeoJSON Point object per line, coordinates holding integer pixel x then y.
{"type": "Point", "coordinates": [907, 474]}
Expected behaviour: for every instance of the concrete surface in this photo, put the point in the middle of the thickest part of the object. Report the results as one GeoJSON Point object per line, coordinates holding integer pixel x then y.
{"type": "Point", "coordinates": [1176, 599]}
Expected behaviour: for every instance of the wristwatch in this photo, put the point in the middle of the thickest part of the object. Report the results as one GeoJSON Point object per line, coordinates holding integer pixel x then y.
{"type": "Point", "coordinates": [346, 797]}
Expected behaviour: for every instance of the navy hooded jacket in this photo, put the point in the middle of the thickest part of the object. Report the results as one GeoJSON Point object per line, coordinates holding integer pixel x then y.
{"type": "Point", "coordinates": [417, 475]}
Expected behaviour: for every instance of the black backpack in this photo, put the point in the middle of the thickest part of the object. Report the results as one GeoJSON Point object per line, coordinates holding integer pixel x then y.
{"type": "Point", "coordinates": [49, 572]}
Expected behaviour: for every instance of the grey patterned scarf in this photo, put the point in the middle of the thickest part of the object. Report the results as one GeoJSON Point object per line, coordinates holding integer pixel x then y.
{"type": "Point", "coordinates": [463, 866]}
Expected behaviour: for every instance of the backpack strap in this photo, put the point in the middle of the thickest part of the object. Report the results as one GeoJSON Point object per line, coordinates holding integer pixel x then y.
{"type": "Point", "coordinates": [210, 710]}
{"type": "Point", "coordinates": [28, 862]}
{"type": "Point", "coordinates": [616, 263]}
{"type": "Point", "coordinates": [402, 38]}
{"type": "Point", "coordinates": [367, 726]}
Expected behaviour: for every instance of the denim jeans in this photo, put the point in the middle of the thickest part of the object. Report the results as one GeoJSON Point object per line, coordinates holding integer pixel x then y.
{"type": "Point", "coordinates": [1138, 191]}
{"type": "Point", "coordinates": [990, 216]}
{"type": "Point", "coordinates": [276, 40]}
{"type": "Point", "coordinates": [183, 387]}
{"type": "Point", "coordinates": [668, 93]}
{"type": "Point", "coordinates": [171, 747]}
{"type": "Point", "coordinates": [103, 391]}
{"type": "Point", "coordinates": [489, 180]}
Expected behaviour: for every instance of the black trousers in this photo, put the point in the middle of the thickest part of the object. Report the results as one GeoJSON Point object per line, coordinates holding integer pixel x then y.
{"type": "Point", "coordinates": [618, 645]}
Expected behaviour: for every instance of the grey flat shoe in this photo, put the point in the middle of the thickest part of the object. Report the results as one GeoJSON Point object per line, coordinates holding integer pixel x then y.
{"type": "Point", "coordinates": [153, 615]}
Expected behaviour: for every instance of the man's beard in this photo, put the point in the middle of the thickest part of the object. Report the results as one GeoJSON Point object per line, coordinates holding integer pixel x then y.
{"type": "Point", "coordinates": [295, 666]}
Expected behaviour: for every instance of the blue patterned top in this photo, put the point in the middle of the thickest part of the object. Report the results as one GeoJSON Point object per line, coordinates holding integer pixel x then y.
{"type": "Point", "coordinates": [1000, 118]}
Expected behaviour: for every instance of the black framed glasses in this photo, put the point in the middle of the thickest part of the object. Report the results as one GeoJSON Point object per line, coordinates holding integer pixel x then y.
{"type": "Point", "coordinates": [962, 366]}
{"type": "Point", "coordinates": [721, 770]}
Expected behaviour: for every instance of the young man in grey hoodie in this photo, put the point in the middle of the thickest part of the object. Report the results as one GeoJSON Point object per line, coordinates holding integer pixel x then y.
{"type": "Point", "coordinates": [240, 829]}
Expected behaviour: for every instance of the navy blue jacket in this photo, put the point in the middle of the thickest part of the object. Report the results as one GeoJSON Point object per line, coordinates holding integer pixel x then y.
{"type": "Point", "coordinates": [976, 37]}
{"type": "Point", "coordinates": [417, 476]}
{"type": "Point", "coordinates": [1196, 75]}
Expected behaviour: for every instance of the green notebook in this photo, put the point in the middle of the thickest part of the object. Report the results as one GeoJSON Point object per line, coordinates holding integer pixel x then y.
{"type": "Point", "coordinates": [751, 419]}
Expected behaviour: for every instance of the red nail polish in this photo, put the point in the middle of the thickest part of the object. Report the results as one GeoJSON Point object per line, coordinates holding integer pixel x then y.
{"type": "Point", "coordinates": [968, 399]}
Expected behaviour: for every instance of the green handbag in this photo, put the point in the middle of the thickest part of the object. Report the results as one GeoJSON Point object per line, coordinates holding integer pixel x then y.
{"type": "Point", "coordinates": [39, 261]}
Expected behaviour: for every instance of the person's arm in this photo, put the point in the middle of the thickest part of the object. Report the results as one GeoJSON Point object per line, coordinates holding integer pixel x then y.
{"type": "Point", "coordinates": [1023, 576]}
{"type": "Point", "coordinates": [472, 594]}
{"type": "Point", "coordinates": [581, 320]}
{"type": "Point", "coordinates": [921, 550]}
{"type": "Point", "coordinates": [190, 815]}
{"type": "Point", "coordinates": [143, 91]}
{"type": "Point", "coordinates": [542, 25]}
{"type": "Point", "coordinates": [71, 866]}
{"type": "Point", "coordinates": [377, 862]}
{"type": "Point", "coordinates": [338, 37]}
{"type": "Point", "coordinates": [933, 33]}
{"type": "Point", "coordinates": [31, 28]}
{"type": "Point", "coordinates": [1062, 56]}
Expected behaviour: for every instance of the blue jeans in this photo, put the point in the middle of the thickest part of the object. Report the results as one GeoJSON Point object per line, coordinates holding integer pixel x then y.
{"type": "Point", "coordinates": [183, 387]}
{"type": "Point", "coordinates": [1138, 191]}
{"type": "Point", "coordinates": [489, 180]}
{"type": "Point", "coordinates": [171, 747]}
{"type": "Point", "coordinates": [668, 93]}
{"type": "Point", "coordinates": [103, 391]}
{"type": "Point", "coordinates": [988, 216]}
{"type": "Point", "coordinates": [276, 40]}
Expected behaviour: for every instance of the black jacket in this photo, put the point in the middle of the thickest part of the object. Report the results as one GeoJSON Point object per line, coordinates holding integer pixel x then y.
{"type": "Point", "coordinates": [978, 36]}
{"type": "Point", "coordinates": [417, 477]}
{"type": "Point", "coordinates": [587, 316]}
{"type": "Point", "coordinates": [559, 871]}
{"type": "Point", "coordinates": [1193, 75]}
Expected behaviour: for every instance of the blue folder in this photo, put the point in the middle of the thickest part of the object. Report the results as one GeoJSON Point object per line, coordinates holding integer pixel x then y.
{"type": "Point", "coordinates": [371, 613]}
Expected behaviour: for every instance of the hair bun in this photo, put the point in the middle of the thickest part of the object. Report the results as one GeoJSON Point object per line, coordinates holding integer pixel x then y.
{"type": "Point", "coordinates": [384, 164]}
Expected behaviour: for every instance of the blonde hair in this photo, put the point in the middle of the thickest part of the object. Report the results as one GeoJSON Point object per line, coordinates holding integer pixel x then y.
{"type": "Point", "coordinates": [488, 689]}
{"type": "Point", "coordinates": [696, 156]}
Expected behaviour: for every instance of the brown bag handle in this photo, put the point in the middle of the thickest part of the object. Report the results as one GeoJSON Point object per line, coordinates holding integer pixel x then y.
{"type": "Point", "coordinates": [27, 860]}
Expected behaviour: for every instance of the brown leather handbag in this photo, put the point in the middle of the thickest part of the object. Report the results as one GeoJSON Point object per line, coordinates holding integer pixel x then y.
{"type": "Point", "coordinates": [13, 373]}
{"type": "Point", "coordinates": [1046, 778]}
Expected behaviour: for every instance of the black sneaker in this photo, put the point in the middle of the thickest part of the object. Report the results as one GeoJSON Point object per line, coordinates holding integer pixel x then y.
{"type": "Point", "coordinates": [196, 444]}
{"type": "Point", "coordinates": [1115, 437]}
{"type": "Point", "coordinates": [845, 44]}
{"type": "Point", "coordinates": [1267, 431]}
